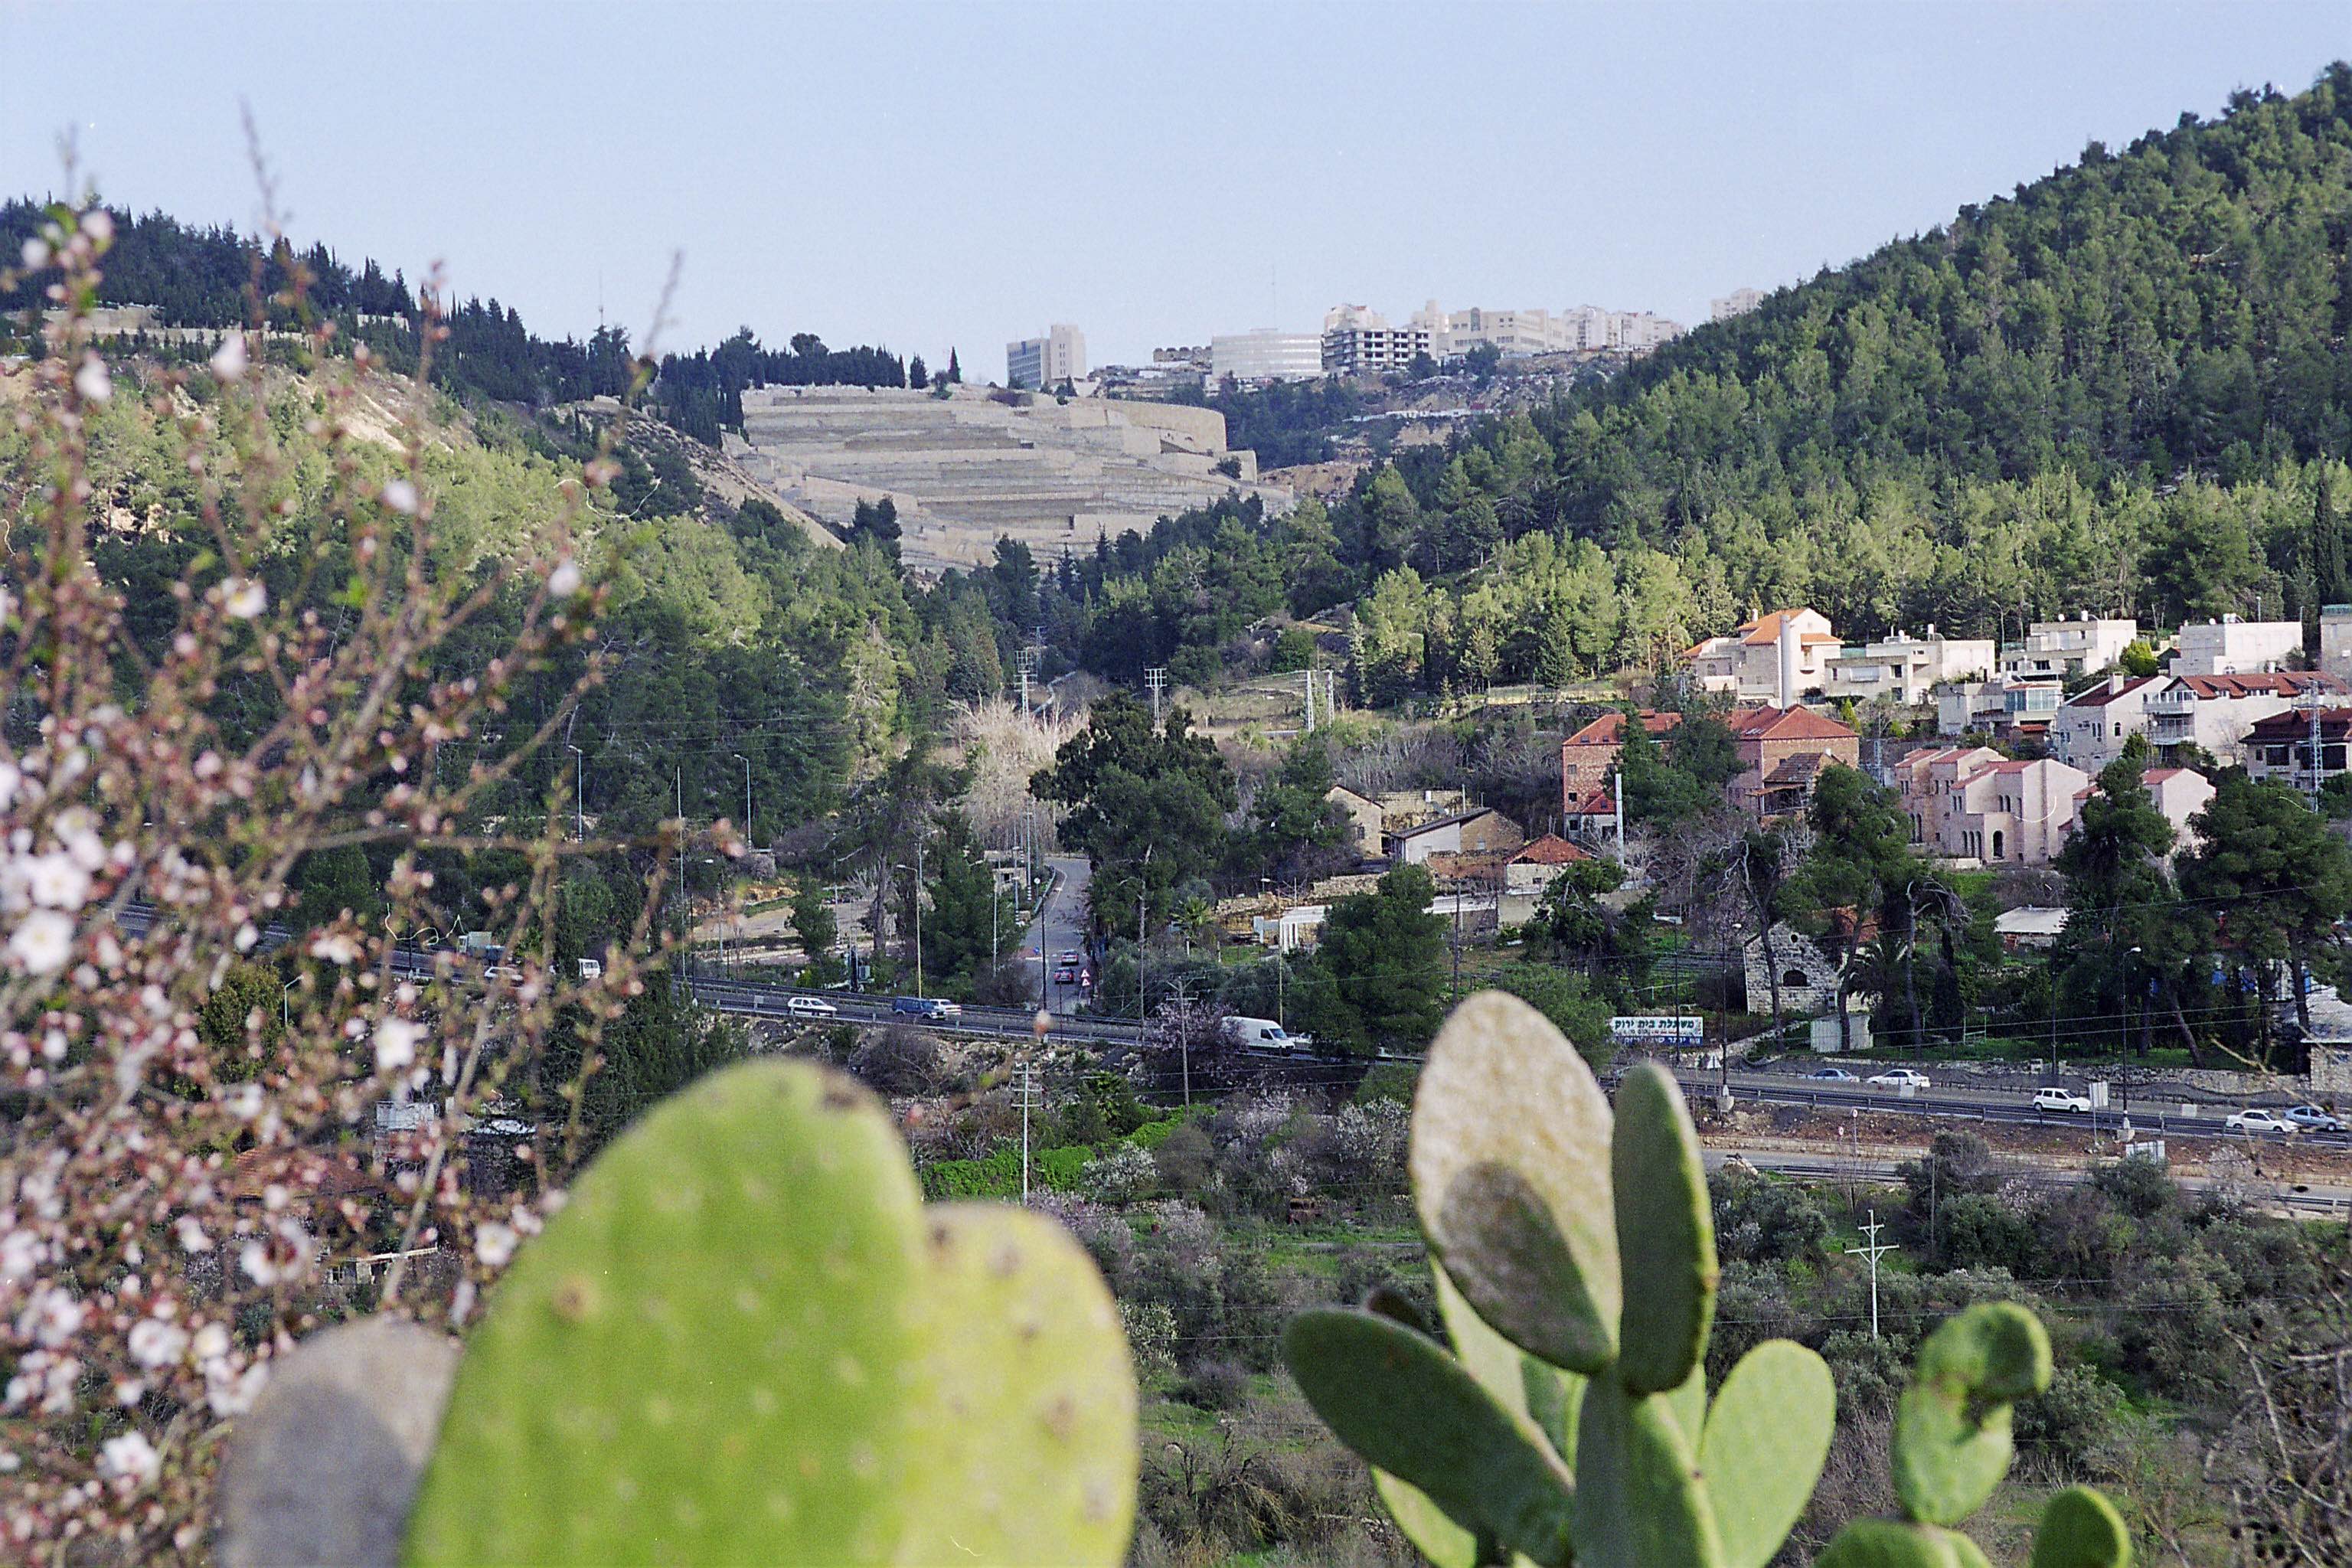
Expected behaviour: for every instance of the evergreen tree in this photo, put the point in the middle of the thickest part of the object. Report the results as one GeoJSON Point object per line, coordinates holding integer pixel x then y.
{"type": "Point", "coordinates": [1385, 954]}
{"type": "Point", "coordinates": [916, 375]}
{"type": "Point", "coordinates": [955, 371]}
{"type": "Point", "coordinates": [966, 925]}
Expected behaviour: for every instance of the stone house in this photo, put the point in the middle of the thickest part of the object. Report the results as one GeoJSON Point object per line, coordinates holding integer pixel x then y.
{"type": "Point", "coordinates": [1482, 830]}
{"type": "Point", "coordinates": [1808, 976]}
{"type": "Point", "coordinates": [1588, 757]}
{"type": "Point", "coordinates": [1971, 803]}
{"type": "Point", "coordinates": [1534, 867]}
{"type": "Point", "coordinates": [1367, 820]}
{"type": "Point", "coordinates": [2089, 730]}
{"type": "Point", "coordinates": [1782, 752]}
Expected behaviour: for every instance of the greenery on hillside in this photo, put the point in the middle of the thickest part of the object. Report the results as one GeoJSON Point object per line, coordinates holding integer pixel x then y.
{"type": "Point", "coordinates": [2124, 389]}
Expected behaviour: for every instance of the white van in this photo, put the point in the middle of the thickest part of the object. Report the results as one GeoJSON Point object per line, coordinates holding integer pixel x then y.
{"type": "Point", "coordinates": [1255, 1034]}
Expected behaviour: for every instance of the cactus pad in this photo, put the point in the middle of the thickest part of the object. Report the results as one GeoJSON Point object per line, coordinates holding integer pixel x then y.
{"type": "Point", "coordinates": [2080, 1529]}
{"type": "Point", "coordinates": [1398, 1399]}
{"type": "Point", "coordinates": [1768, 1435]}
{"type": "Point", "coordinates": [1639, 1499]}
{"type": "Point", "coordinates": [1898, 1543]}
{"type": "Point", "coordinates": [730, 1345]}
{"type": "Point", "coordinates": [1666, 1234]}
{"type": "Point", "coordinates": [1952, 1442]}
{"type": "Point", "coordinates": [1510, 1175]}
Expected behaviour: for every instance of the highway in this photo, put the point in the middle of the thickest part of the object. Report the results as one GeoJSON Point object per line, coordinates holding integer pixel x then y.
{"type": "Point", "coordinates": [2315, 1198]}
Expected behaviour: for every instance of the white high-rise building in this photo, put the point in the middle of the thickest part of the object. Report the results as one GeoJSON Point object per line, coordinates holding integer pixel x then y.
{"type": "Point", "coordinates": [1039, 363]}
{"type": "Point", "coordinates": [1266, 355]}
{"type": "Point", "coordinates": [1739, 302]}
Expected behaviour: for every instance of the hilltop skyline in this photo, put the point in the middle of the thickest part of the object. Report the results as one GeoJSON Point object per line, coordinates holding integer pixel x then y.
{"type": "Point", "coordinates": [1153, 188]}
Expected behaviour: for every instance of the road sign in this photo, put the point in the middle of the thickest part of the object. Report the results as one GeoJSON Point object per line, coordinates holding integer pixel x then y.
{"type": "Point", "coordinates": [1658, 1029]}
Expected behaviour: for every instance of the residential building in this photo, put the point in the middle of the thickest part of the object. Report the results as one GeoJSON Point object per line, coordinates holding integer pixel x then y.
{"type": "Point", "coordinates": [2089, 728]}
{"type": "Point", "coordinates": [1807, 977]}
{"type": "Point", "coordinates": [1905, 669]}
{"type": "Point", "coordinates": [1782, 752]}
{"type": "Point", "coordinates": [1590, 813]}
{"type": "Point", "coordinates": [2234, 647]}
{"type": "Point", "coordinates": [1040, 363]}
{"type": "Point", "coordinates": [2278, 748]}
{"type": "Point", "coordinates": [1739, 302]}
{"type": "Point", "coordinates": [2216, 712]}
{"type": "Point", "coordinates": [1588, 757]}
{"type": "Point", "coordinates": [2180, 794]}
{"type": "Point", "coordinates": [1481, 830]}
{"type": "Point", "coordinates": [1265, 355]}
{"type": "Point", "coordinates": [2006, 705]}
{"type": "Point", "coordinates": [1358, 340]}
{"type": "Point", "coordinates": [1777, 657]}
{"type": "Point", "coordinates": [1537, 865]}
{"type": "Point", "coordinates": [1366, 822]}
{"type": "Point", "coordinates": [2030, 928]}
{"type": "Point", "coordinates": [2060, 649]}
{"type": "Point", "coordinates": [1405, 808]}
{"type": "Point", "coordinates": [1971, 803]}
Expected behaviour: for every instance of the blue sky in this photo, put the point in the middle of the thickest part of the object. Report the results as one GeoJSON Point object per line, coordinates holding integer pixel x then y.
{"type": "Point", "coordinates": [929, 175]}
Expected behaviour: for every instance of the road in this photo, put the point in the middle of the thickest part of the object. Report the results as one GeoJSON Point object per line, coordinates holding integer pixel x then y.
{"type": "Point", "coordinates": [1061, 926]}
{"type": "Point", "coordinates": [2307, 1197]}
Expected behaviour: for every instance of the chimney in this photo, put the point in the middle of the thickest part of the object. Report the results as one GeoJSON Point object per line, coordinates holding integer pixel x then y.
{"type": "Point", "coordinates": [1788, 658]}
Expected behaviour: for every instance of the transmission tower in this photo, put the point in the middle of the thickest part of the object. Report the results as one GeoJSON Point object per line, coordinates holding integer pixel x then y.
{"type": "Point", "coordinates": [1873, 1251]}
{"type": "Point", "coordinates": [1156, 677]}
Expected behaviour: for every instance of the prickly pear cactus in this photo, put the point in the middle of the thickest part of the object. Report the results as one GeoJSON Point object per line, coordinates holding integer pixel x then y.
{"type": "Point", "coordinates": [745, 1339]}
{"type": "Point", "coordinates": [1574, 1256]}
{"type": "Point", "coordinates": [1952, 1447]}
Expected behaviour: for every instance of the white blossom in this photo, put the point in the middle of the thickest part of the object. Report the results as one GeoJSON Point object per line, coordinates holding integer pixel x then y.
{"type": "Point", "coordinates": [57, 880]}
{"type": "Point", "coordinates": [51, 1317]}
{"type": "Point", "coordinates": [395, 1043]}
{"type": "Point", "coordinates": [154, 1343]}
{"type": "Point", "coordinates": [400, 496]}
{"type": "Point", "coordinates": [494, 1243]}
{"type": "Point", "coordinates": [243, 597]}
{"type": "Point", "coordinates": [335, 947]}
{"type": "Point", "coordinates": [11, 779]}
{"type": "Point", "coordinates": [191, 1235]}
{"type": "Point", "coordinates": [229, 360]}
{"type": "Point", "coordinates": [211, 1342]}
{"type": "Point", "coordinates": [35, 254]}
{"type": "Point", "coordinates": [130, 1457]}
{"type": "Point", "coordinates": [99, 224]}
{"type": "Point", "coordinates": [564, 581]}
{"type": "Point", "coordinates": [92, 382]}
{"type": "Point", "coordinates": [42, 942]}
{"type": "Point", "coordinates": [20, 1250]}
{"type": "Point", "coordinates": [254, 1259]}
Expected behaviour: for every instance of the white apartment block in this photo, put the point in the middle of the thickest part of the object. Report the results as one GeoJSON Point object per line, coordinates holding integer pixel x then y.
{"type": "Point", "coordinates": [2007, 703]}
{"type": "Point", "coordinates": [1775, 658]}
{"type": "Point", "coordinates": [2216, 712]}
{"type": "Point", "coordinates": [2090, 728]}
{"type": "Point", "coordinates": [1739, 302]}
{"type": "Point", "coordinates": [1039, 363]}
{"type": "Point", "coordinates": [1905, 669]}
{"type": "Point", "coordinates": [2234, 647]}
{"type": "Point", "coordinates": [2335, 640]}
{"type": "Point", "coordinates": [1969, 803]}
{"type": "Point", "coordinates": [1517, 334]}
{"type": "Point", "coordinates": [1266, 355]}
{"type": "Point", "coordinates": [1359, 340]}
{"type": "Point", "coordinates": [2064, 648]}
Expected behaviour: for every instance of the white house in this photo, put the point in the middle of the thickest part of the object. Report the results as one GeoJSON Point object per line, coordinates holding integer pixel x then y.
{"type": "Point", "coordinates": [2064, 648]}
{"type": "Point", "coordinates": [1969, 803]}
{"type": "Point", "coordinates": [2234, 647]}
{"type": "Point", "coordinates": [2089, 730]}
{"type": "Point", "coordinates": [1776, 659]}
{"type": "Point", "coordinates": [1905, 670]}
{"type": "Point", "coordinates": [2218, 712]}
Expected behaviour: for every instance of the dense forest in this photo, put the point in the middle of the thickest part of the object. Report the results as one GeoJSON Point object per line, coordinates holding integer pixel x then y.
{"type": "Point", "coordinates": [2124, 389]}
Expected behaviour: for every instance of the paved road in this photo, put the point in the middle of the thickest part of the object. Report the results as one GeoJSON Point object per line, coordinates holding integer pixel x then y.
{"type": "Point", "coordinates": [2311, 1197]}
{"type": "Point", "coordinates": [1061, 925]}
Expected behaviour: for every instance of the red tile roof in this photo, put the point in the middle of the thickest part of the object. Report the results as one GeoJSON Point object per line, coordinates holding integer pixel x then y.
{"type": "Point", "coordinates": [1551, 849]}
{"type": "Point", "coordinates": [1593, 802]}
{"type": "Point", "coordinates": [1764, 722]}
{"type": "Point", "coordinates": [1609, 730]}
{"type": "Point", "coordinates": [1766, 629]}
{"type": "Point", "coordinates": [2286, 684]}
{"type": "Point", "coordinates": [2100, 696]}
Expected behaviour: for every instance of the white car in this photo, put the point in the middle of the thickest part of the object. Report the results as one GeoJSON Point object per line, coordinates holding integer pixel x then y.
{"type": "Point", "coordinates": [2060, 1099]}
{"type": "Point", "coordinates": [2258, 1121]}
{"type": "Point", "coordinates": [1898, 1079]}
{"type": "Point", "coordinates": [2313, 1119]}
{"type": "Point", "coordinates": [810, 1007]}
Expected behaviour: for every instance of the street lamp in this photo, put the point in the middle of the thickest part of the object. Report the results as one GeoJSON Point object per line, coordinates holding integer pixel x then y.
{"type": "Point", "coordinates": [579, 794]}
{"type": "Point", "coordinates": [285, 1003]}
{"type": "Point", "coordinates": [918, 869]}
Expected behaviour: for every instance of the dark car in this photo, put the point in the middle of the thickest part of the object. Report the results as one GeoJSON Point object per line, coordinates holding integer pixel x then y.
{"type": "Point", "coordinates": [925, 1007]}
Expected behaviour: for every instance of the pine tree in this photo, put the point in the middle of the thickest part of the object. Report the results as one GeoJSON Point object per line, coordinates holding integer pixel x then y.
{"type": "Point", "coordinates": [955, 371]}
{"type": "Point", "coordinates": [918, 376]}
{"type": "Point", "coordinates": [2331, 584]}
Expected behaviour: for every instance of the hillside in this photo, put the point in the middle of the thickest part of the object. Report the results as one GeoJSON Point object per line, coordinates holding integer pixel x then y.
{"type": "Point", "coordinates": [2125, 387]}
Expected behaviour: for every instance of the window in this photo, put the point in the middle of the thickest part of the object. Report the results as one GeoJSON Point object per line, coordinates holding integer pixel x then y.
{"type": "Point", "coordinates": [1996, 844]}
{"type": "Point", "coordinates": [1795, 977]}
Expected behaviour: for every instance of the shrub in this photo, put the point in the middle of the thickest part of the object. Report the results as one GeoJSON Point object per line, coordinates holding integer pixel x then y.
{"type": "Point", "coordinates": [1215, 1384]}
{"type": "Point", "coordinates": [901, 1060]}
{"type": "Point", "coordinates": [1121, 1175]}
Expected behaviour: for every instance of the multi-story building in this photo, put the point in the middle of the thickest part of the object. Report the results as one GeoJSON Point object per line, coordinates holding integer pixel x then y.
{"type": "Point", "coordinates": [1971, 803]}
{"type": "Point", "coordinates": [1266, 355]}
{"type": "Point", "coordinates": [1905, 669]}
{"type": "Point", "coordinates": [1047, 362]}
{"type": "Point", "coordinates": [2066, 648]}
{"type": "Point", "coordinates": [1359, 340]}
{"type": "Point", "coordinates": [1739, 302]}
{"type": "Point", "coordinates": [2216, 712]}
{"type": "Point", "coordinates": [2089, 728]}
{"type": "Point", "coordinates": [1782, 752]}
{"type": "Point", "coordinates": [2180, 794]}
{"type": "Point", "coordinates": [2234, 647]}
{"type": "Point", "coordinates": [1589, 756]}
{"type": "Point", "coordinates": [2278, 748]}
{"type": "Point", "coordinates": [1752, 662]}
{"type": "Point", "coordinates": [2005, 705]}
{"type": "Point", "coordinates": [2335, 640]}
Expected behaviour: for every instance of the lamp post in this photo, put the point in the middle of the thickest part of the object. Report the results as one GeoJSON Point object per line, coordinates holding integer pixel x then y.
{"type": "Point", "coordinates": [747, 793]}
{"type": "Point", "coordinates": [579, 794]}
{"type": "Point", "coordinates": [285, 1003]}
{"type": "Point", "coordinates": [2133, 956]}
{"type": "Point", "coordinates": [918, 869]}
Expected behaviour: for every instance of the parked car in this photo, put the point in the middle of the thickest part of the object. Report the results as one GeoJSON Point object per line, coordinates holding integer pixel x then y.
{"type": "Point", "coordinates": [931, 1007]}
{"type": "Point", "coordinates": [2061, 1099]}
{"type": "Point", "coordinates": [810, 1007]}
{"type": "Point", "coordinates": [1833, 1075]}
{"type": "Point", "coordinates": [2313, 1119]}
{"type": "Point", "coordinates": [2258, 1119]}
{"type": "Point", "coordinates": [1898, 1079]}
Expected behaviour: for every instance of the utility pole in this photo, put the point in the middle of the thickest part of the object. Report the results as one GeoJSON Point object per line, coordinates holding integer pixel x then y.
{"type": "Point", "coordinates": [580, 794]}
{"type": "Point", "coordinates": [1873, 1251]}
{"type": "Point", "coordinates": [1156, 677]}
{"type": "Point", "coordinates": [1028, 1100]}
{"type": "Point", "coordinates": [1309, 673]}
{"type": "Point", "coordinates": [746, 794]}
{"type": "Point", "coordinates": [1620, 781]}
{"type": "Point", "coordinates": [918, 869]}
